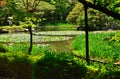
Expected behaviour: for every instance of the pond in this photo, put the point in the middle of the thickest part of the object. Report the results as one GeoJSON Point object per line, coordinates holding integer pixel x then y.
{"type": "Point", "coordinates": [58, 40]}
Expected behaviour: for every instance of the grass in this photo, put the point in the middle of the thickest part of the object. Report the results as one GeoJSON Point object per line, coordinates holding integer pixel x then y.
{"type": "Point", "coordinates": [61, 24]}
{"type": "Point", "coordinates": [37, 49]}
{"type": "Point", "coordinates": [99, 46]}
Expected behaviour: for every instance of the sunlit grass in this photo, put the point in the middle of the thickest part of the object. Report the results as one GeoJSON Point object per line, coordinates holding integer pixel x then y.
{"type": "Point", "coordinates": [61, 24]}
{"type": "Point", "coordinates": [99, 46]}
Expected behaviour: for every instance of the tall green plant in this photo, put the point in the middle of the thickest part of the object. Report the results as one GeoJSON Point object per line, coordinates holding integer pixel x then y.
{"type": "Point", "coordinates": [100, 47]}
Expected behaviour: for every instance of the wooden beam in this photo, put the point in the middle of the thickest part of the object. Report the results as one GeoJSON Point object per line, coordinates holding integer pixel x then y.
{"type": "Point", "coordinates": [86, 34]}
{"type": "Point", "coordinates": [101, 8]}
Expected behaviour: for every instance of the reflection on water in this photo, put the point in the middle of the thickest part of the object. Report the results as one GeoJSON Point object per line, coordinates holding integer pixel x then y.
{"type": "Point", "coordinates": [58, 43]}
{"type": "Point", "coordinates": [59, 46]}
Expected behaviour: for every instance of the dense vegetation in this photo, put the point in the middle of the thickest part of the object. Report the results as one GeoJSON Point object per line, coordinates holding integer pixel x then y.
{"type": "Point", "coordinates": [52, 12]}
{"type": "Point", "coordinates": [54, 65]}
{"type": "Point", "coordinates": [103, 46]}
{"type": "Point", "coordinates": [47, 62]}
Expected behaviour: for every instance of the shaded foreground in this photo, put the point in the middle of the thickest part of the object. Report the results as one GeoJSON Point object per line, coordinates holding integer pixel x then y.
{"type": "Point", "coordinates": [51, 65]}
{"type": "Point", "coordinates": [44, 66]}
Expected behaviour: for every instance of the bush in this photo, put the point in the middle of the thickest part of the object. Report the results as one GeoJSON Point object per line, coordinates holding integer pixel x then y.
{"type": "Point", "coordinates": [59, 66]}
{"type": "Point", "coordinates": [12, 28]}
{"type": "Point", "coordinates": [115, 37]}
{"type": "Point", "coordinates": [15, 66]}
{"type": "Point", "coordinates": [2, 49]}
{"type": "Point", "coordinates": [110, 74]}
{"type": "Point", "coordinates": [52, 66]}
{"type": "Point", "coordinates": [47, 66]}
{"type": "Point", "coordinates": [4, 70]}
{"type": "Point", "coordinates": [52, 28]}
{"type": "Point", "coordinates": [21, 67]}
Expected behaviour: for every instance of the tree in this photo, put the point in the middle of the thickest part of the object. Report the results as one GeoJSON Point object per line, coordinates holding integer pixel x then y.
{"type": "Point", "coordinates": [109, 11]}
{"type": "Point", "coordinates": [45, 11]}
{"type": "Point", "coordinates": [9, 9]}
{"type": "Point", "coordinates": [35, 9]}
{"type": "Point", "coordinates": [30, 7]}
{"type": "Point", "coordinates": [62, 9]}
{"type": "Point", "coordinates": [97, 20]}
{"type": "Point", "coordinates": [74, 15]}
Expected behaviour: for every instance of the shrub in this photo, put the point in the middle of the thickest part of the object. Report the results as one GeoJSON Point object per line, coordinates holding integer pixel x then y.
{"type": "Point", "coordinates": [110, 74]}
{"type": "Point", "coordinates": [47, 66]}
{"type": "Point", "coordinates": [15, 66]}
{"type": "Point", "coordinates": [3, 49]}
{"type": "Point", "coordinates": [59, 66]}
{"type": "Point", "coordinates": [21, 67]}
{"type": "Point", "coordinates": [52, 28]}
{"type": "Point", "coordinates": [12, 29]}
{"type": "Point", "coordinates": [115, 37]}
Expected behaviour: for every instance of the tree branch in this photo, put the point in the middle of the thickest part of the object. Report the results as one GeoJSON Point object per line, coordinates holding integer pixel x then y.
{"type": "Point", "coordinates": [24, 4]}
{"type": "Point", "coordinates": [101, 8]}
{"type": "Point", "coordinates": [36, 4]}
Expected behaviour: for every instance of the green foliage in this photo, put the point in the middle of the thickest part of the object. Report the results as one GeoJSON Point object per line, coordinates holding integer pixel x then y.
{"type": "Point", "coordinates": [18, 48]}
{"type": "Point", "coordinates": [59, 27]}
{"type": "Point", "coordinates": [62, 9]}
{"type": "Point", "coordinates": [96, 20]}
{"type": "Point", "coordinates": [57, 10]}
{"type": "Point", "coordinates": [61, 24]}
{"type": "Point", "coordinates": [24, 49]}
{"type": "Point", "coordinates": [79, 44]}
{"type": "Point", "coordinates": [44, 12]}
{"type": "Point", "coordinates": [75, 14]}
{"type": "Point", "coordinates": [19, 65]}
{"type": "Point", "coordinates": [115, 37]}
{"type": "Point", "coordinates": [15, 65]}
{"type": "Point", "coordinates": [59, 66]}
{"type": "Point", "coordinates": [110, 4]}
{"type": "Point", "coordinates": [11, 9]}
{"type": "Point", "coordinates": [49, 28]}
{"type": "Point", "coordinates": [13, 28]}
{"type": "Point", "coordinates": [99, 47]}
{"type": "Point", "coordinates": [46, 7]}
{"type": "Point", "coordinates": [28, 22]}
{"type": "Point", "coordinates": [54, 66]}
{"type": "Point", "coordinates": [3, 49]}
{"type": "Point", "coordinates": [50, 65]}
{"type": "Point", "coordinates": [113, 73]}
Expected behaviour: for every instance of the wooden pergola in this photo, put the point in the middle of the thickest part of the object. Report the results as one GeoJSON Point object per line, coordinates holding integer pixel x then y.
{"type": "Point", "coordinates": [99, 8]}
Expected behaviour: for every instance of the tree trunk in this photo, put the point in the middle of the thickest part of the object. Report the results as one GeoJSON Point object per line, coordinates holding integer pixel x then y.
{"type": "Point", "coordinates": [31, 44]}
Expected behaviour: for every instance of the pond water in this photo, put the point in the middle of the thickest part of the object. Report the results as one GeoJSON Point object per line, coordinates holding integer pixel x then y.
{"type": "Point", "coordinates": [58, 40]}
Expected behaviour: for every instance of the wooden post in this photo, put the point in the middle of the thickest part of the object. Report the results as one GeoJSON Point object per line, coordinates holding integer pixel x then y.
{"type": "Point", "coordinates": [87, 35]}
{"type": "Point", "coordinates": [31, 41]}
